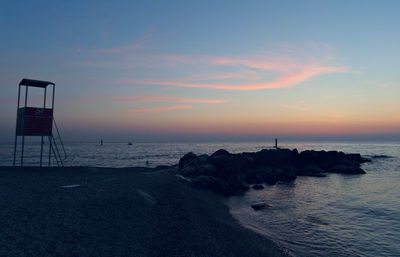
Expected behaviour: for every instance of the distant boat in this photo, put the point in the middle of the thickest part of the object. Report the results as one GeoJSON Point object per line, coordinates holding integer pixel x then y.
{"type": "Point", "coordinates": [130, 143]}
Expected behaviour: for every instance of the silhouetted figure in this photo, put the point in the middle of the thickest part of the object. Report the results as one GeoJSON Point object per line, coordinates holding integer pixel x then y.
{"type": "Point", "coordinates": [147, 163]}
{"type": "Point", "coordinates": [276, 143]}
{"type": "Point", "coordinates": [101, 142]}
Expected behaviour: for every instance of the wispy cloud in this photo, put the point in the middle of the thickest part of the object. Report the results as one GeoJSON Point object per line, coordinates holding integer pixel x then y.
{"type": "Point", "coordinates": [337, 116]}
{"type": "Point", "coordinates": [282, 67]}
{"type": "Point", "coordinates": [203, 101]}
{"type": "Point", "coordinates": [154, 98]}
{"type": "Point", "coordinates": [288, 79]}
{"type": "Point", "coordinates": [379, 83]}
{"type": "Point", "coordinates": [121, 50]}
{"type": "Point", "coordinates": [160, 109]}
{"type": "Point", "coordinates": [248, 72]}
{"type": "Point", "coordinates": [294, 107]}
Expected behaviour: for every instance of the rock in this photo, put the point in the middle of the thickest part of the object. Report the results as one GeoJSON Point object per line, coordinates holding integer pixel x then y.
{"type": "Point", "coordinates": [228, 173]}
{"type": "Point", "coordinates": [215, 184]}
{"type": "Point", "coordinates": [228, 188]}
{"type": "Point", "coordinates": [259, 206]}
{"type": "Point", "coordinates": [203, 158]}
{"type": "Point", "coordinates": [207, 169]}
{"type": "Point", "coordinates": [192, 165]}
{"type": "Point", "coordinates": [270, 178]}
{"type": "Point", "coordinates": [187, 157]}
{"type": "Point", "coordinates": [236, 185]}
{"type": "Point", "coordinates": [287, 174]}
{"type": "Point", "coordinates": [220, 152]}
{"type": "Point", "coordinates": [191, 170]}
{"type": "Point", "coordinates": [162, 167]}
{"type": "Point", "coordinates": [276, 158]}
{"type": "Point", "coordinates": [346, 169]}
{"type": "Point", "coordinates": [357, 157]}
{"type": "Point", "coordinates": [226, 164]}
{"type": "Point", "coordinates": [258, 187]}
{"type": "Point", "coordinates": [310, 170]}
{"type": "Point", "coordinates": [257, 175]}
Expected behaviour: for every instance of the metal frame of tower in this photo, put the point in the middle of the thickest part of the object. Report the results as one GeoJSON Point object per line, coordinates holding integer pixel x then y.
{"type": "Point", "coordinates": [34, 121]}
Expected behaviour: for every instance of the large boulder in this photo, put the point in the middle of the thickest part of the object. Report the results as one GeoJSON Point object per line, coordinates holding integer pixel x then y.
{"type": "Point", "coordinates": [357, 157]}
{"type": "Point", "coordinates": [286, 174]}
{"type": "Point", "coordinates": [220, 152]}
{"type": "Point", "coordinates": [346, 167]}
{"type": "Point", "coordinates": [188, 158]}
{"type": "Point", "coordinates": [310, 170]}
{"type": "Point", "coordinates": [192, 165]}
{"type": "Point", "coordinates": [327, 160]}
{"type": "Point", "coordinates": [226, 164]}
{"type": "Point", "coordinates": [191, 171]}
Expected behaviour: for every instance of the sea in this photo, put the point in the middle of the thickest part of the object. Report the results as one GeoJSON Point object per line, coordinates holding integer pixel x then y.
{"type": "Point", "coordinates": [336, 215]}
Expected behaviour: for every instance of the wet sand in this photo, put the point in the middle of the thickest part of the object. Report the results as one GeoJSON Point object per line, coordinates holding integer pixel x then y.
{"type": "Point", "coordinates": [117, 212]}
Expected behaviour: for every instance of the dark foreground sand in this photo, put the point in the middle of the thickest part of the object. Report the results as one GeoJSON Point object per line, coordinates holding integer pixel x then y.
{"type": "Point", "coordinates": [116, 212]}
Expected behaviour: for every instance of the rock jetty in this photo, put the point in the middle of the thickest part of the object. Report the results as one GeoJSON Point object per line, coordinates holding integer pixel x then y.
{"type": "Point", "coordinates": [229, 174]}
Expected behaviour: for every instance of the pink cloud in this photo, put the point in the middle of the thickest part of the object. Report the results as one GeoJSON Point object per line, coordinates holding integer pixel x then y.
{"type": "Point", "coordinates": [280, 68]}
{"type": "Point", "coordinates": [134, 99]}
{"type": "Point", "coordinates": [249, 74]}
{"type": "Point", "coordinates": [202, 101]}
{"type": "Point", "coordinates": [161, 109]}
{"type": "Point", "coordinates": [145, 99]}
{"type": "Point", "coordinates": [288, 79]}
{"type": "Point", "coordinates": [259, 62]}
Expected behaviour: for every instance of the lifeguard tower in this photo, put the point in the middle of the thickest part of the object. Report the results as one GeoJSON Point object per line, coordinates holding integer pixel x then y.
{"type": "Point", "coordinates": [38, 121]}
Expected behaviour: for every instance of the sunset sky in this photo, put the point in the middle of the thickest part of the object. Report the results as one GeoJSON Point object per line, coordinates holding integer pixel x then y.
{"type": "Point", "coordinates": [167, 70]}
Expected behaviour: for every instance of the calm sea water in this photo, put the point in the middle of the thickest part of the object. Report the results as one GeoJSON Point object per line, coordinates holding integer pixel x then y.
{"type": "Point", "coordinates": [337, 215]}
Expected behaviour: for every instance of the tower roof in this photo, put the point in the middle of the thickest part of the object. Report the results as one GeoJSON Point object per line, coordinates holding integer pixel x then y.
{"type": "Point", "coordinates": [35, 83]}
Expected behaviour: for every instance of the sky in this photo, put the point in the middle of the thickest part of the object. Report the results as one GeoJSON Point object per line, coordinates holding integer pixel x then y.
{"type": "Point", "coordinates": [206, 70]}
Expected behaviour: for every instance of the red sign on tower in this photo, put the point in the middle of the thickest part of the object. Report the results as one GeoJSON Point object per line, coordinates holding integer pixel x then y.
{"type": "Point", "coordinates": [34, 121]}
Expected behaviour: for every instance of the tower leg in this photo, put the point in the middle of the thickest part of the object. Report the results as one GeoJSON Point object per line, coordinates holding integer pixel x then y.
{"type": "Point", "coordinates": [22, 151]}
{"type": "Point", "coordinates": [15, 148]}
{"type": "Point", "coordinates": [49, 150]}
{"type": "Point", "coordinates": [41, 151]}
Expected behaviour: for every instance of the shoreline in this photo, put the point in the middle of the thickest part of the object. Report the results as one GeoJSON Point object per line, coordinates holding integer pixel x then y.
{"type": "Point", "coordinates": [85, 211]}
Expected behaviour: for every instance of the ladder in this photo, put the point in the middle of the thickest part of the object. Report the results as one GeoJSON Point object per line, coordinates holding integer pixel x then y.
{"type": "Point", "coordinates": [60, 155]}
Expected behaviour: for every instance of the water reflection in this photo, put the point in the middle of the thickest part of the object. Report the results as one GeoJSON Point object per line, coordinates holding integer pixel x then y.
{"type": "Point", "coordinates": [337, 215]}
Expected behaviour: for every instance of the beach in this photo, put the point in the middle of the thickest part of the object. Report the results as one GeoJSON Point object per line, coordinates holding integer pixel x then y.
{"type": "Point", "coordinates": [82, 211]}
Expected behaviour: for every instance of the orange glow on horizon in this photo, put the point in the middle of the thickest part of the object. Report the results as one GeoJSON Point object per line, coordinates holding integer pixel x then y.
{"type": "Point", "coordinates": [230, 127]}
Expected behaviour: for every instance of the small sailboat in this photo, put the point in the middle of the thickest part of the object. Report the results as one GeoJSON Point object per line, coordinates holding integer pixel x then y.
{"type": "Point", "coordinates": [129, 143]}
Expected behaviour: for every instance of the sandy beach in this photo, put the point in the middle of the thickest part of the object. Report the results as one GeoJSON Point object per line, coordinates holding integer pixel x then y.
{"type": "Point", "coordinates": [117, 212]}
